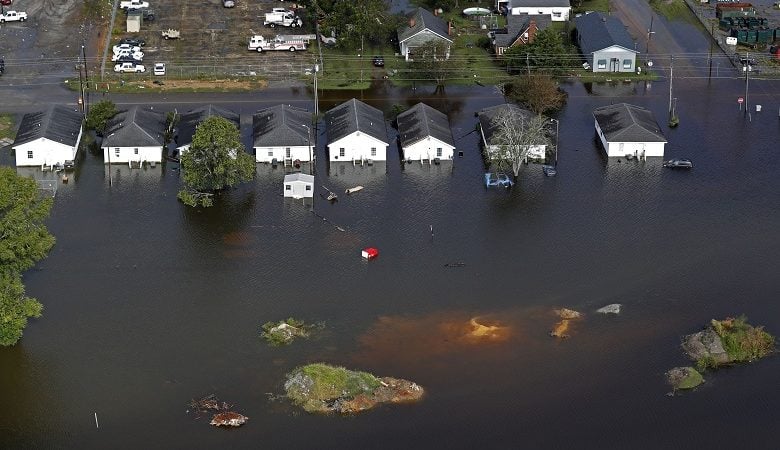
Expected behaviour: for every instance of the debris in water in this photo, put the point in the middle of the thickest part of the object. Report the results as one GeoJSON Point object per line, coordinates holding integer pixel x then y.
{"type": "Point", "coordinates": [567, 315]}
{"type": "Point", "coordinates": [228, 419]}
{"type": "Point", "coordinates": [352, 190]}
{"type": "Point", "coordinates": [284, 331]}
{"type": "Point", "coordinates": [614, 308]}
{"type": "Point", "coordinates": [478, 331]}
{"type": "Point", "coordinates": [455, 264]}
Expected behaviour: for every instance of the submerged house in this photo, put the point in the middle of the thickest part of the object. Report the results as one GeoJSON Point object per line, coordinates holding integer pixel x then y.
{"type": "Point", "coordinates": [425, 134]}
{"type": "Point", "coordinates": [356, 132]}
{"type": "Point", "coordinates": [424, 29]}
{"type": "Point", "coordinates": [299, 185]}
{"type": "Point", "coordinates": [48, 138]}
{"type": "Point", "coordinates": [628, 130]}
{"type": "Point", "coordinates": [189, 123]}
{"type": "Point", "coordinates": [488, 128]}
{"type": "Point", "coordinates": [605, 44]}
{"type": "Point", "coordinates": [282, 133]}
{"type": "Point", "coordinates": [135, 135]}
{"type": "Point", "coordinates": [520, 29]}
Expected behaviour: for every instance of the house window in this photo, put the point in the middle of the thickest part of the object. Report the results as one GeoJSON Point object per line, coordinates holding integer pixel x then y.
{"type": "Point", "coordinates": [308, 187]}
{"type": "Point", "coordinates": [373, 151]}
{"type": "Point", "coordinates": [29, 154]}
{"type": "Point", "coordinates": [287, 152]}
{"type": "Point", "coordinates": [288, 187]}
{"type": "Point", "coordinates": [556, 14]}
{"type": "Point", "coordinates": [116, 152]}
{"type": "Point", "coordinates": [135, 151]}
{"type": "Point", "coordinates": [270, 153]}
{"type": "Point", "coordinates": [341, 152]}
{"type": "Point", "coordinates": [438, 152]}
{"type": "Point", "coordinates": [602, 64]}
{"type": "Point", "coordinates": [627, 64]}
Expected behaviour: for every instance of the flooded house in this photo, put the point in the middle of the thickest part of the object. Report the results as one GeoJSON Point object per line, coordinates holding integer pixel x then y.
{"type": "Point", "coordinates": [628, 130]}
{"type": "Point", "coordinates": [282, 133]}
{"type": "Point", "coordinates": [605, 44]}
{"type": "Point", "coordinates": [190, 120]}
{"type": "Point", "coordinates": [425, 134]}
{"type": "Point", "coordinates": [298, 185]}
{"type": "Point", "coordinates": [49, 138]}
{"type": "Point", "coordinates": [356, 132]}
{"type": "Point", "coordinates": [488, 128]}
{"type": "Point", "coordinates": [136, 135]}
{"type": "Point", "coordinates": [423, 30]}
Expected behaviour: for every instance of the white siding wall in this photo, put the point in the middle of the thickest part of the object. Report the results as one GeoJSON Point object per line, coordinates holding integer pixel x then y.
{"type": "Point", "coordinates": [127, 154]}
{"type": "Point", "coordinates": [266, 154]}
{"type": "Point", "coordinates": [297, 189]}
{"type": "Point", "coordinates": [44, 152]}
{"type": "Point", "coordinates": [557, 13]}
{"type": "Point", "coordinates": [536, 152]}
{"type": "Point", "coordinates": [357, 146]}
{"type": "Point", "coordinates": [613, 59]}
{"type": "Point", "coordinates": [621, 149]}
{"type": "Point", "coordinates": [427, 149]}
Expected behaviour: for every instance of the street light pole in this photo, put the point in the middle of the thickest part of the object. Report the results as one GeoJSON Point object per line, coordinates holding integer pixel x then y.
{"type": "Point", "coordinates": [557, 124]}
{"type": "Point", "coordinates": [108, 150]}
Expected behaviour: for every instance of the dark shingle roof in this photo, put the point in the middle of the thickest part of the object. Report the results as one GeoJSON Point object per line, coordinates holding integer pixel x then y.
{"type": "Point", "coordinates": [541, 3]}
{"type": "Point", "coordinates": [597, 31]}
{"type": "Point", "coordinates": [281, 126]}
{"type": "Point", "coordinates": [518, 23]}
{"type": "Point", "coordinates": [58, 123]}
{"type": "Point", "coordinates": [135, 127]}
{"type": "Point", "coordinates": [189, 121]}
{"type": "Point", "coordinates": [487, 115]}
{"type": "Point", "coordinates": [628, 123]}
{"type": "Point", "coordinates": [354, 115]}
{"type": "Point", "coordinates": [421, 121]}
{"type": "Point", "coordinates": [422, 19]}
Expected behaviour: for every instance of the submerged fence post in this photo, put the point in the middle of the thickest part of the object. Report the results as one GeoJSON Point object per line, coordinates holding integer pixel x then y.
{"type": "Point", "coordinates": [97, 425]}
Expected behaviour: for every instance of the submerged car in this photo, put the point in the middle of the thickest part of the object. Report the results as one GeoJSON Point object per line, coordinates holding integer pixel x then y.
{"type": "Point", "coordinates": [379, 61]}
{"type": "Point", "coordinates": [498, 179]}
{"type": "Point", "coordinates": [678, 163]}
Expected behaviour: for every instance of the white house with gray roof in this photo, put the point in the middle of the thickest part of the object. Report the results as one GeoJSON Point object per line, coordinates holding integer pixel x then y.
{"type": "Point", "coordinates": [189, 123]}
{"type": "Point", "coordinates": [356, 132]}
{"type": "Point", "coordinates": [298, 185]}
{"type": "Point", "coordinates": [282, 133]}
{"type": "Point", "coordinates": [135, 135]}
{"type": "Point", "coordinates": [628, 130]}
{"type": "Point", "coordinates": [48, 138]}
{"type": "Point", "coordinates": [488, 128]}
{"type": "Point", "coordinates": [605, 43]}
{"type": "Point", "coordinates": [558, 10]}
{"type": "Point", "coordinates": [423, 29]}
{"type": "Point", "coordinates": [425, 134]}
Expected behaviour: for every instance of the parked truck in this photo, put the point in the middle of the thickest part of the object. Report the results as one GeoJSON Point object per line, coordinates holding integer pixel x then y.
{"type": "Point", "coordinates": [282, 17]}
{"type": "Point", "coordinates": [13, 16]}
{"type": "Point", "coordinates": [260, 44]}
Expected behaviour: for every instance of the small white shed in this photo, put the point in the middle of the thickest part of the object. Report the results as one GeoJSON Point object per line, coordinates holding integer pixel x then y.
{"type": "Point", "coordinates": [299, 185]}
{"type": "Point", "coordinates": [134, 19]}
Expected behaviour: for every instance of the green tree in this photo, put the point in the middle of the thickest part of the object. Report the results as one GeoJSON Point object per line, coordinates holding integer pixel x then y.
{"type": "Point", "coordinates": [358, 23]}
{"type": "Point", "coordinates": [540, 93]}
{"type": "Point", "coordinates": [24, 240]}
{"type": "Point", "coordinates": [99, 114]}
{"type": "Point", "coordinates": [547, 53]}
{"type": "Point", "coordinates": [430, 62]}
{"type": "Point", "coordinates": [216, 160]}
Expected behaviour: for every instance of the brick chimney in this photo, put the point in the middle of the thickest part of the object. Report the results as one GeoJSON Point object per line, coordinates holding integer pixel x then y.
{"type": "Point", "coordinates": [411, 22]}
{"type": "Point", "coordinates": [532, 30]}
{"type": "Point", "coordinates": [449, 28]}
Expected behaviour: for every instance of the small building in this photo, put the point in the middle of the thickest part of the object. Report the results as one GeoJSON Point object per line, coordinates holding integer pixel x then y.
{"type": "Point", "coordinates": [520, 29]}
{"type": "Point", "coordinates": [135, 135]}
{"type": "Point", "coordinates": [189, 123]}
{"type": "Point", "coordinates": [425, 134]}
{"type": "Point", "coordinates": [605, 43]}
{"type": "Point", "coordinates": [356, 132]}
{"type": "Point", "coordinates": [299, 185]}
{"type": "Point", "coordinates": [423, 29]}
{"type": "Point", "coordinates": [557, 10]}
{"type": "Point", "coordinates": [625, 129]}
{"type": "Point", "coordinates": [134, 19]}
{"type": "Point", "coordinates": [48, 138]}
{"type": "Point", "coordinates": [488, 128]}
{"type": "Point", "coordinates": [282, 133]}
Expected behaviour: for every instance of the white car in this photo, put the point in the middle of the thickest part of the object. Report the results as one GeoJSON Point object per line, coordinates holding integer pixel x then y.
{"type": "Point", "coordinates": [129, 67]}
{"type": "Point", "coordinates": [138, 56]}
{"type": "Point", "coordinates": [126, 47]}
{"type": "Point", "coordinates": [228, 3]}
{"type": "Point", "coordinates": [13, 16]}
{"type": "Point", "coordinates": [133, 4]}
{"type": "Point", "coordinates": [159, 68]}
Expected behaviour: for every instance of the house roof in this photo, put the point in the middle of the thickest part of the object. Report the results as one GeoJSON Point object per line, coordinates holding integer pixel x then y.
{"type": "Point", "coordinates": [189, 121]}
{"type": "Point", "coordinates": [58, 123]}
{"type": "Point", "coordinates": [422, 19]}
{"type": "Point", "coordinates": [354, 115]}
{"type": "Point", "coordinates": [518, 23]}
{"type": "Point", "coordinates": [597, 32]}
{"type": "Point", "coordinates": [421, 121]}
{"type": "Point", "coordinates": [628, 123]}
{"type": "Point", "coordinates": [135, 127]}
{"type": "Point", "coordinates": [299, 177]}
{"type": "Point", "coordinates": [540, 3]}
{"type": "Point", "coordinates": [282, 126]}
{"type": "Point", "coordinates": [487, 115]}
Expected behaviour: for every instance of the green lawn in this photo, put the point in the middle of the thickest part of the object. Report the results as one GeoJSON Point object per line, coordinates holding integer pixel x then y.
{"type": "Point", "coordinates": [7, 126]}
{"type": "Point", "coordinates": [592, 5]}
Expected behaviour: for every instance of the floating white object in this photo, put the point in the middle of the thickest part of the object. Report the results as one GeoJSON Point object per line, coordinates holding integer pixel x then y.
{"type": "Point", "coordinates": [614, 308]}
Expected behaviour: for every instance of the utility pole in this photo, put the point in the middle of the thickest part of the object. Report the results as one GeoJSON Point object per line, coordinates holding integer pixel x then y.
{"type": "Point", "coordinates": [81, 91]}
{"type": "Point", "coordinates": [527, 64]}
{"type": "Point", "coordinates": [650, 33]}
{"type": "Point", "coordinates": [671, 81]}
{"type": "Point", "coordinates": [86, 78]}
{"type": "Point", "coordinates": [746, 68]}
{"type": "Point", "coordinates": [712, 40]}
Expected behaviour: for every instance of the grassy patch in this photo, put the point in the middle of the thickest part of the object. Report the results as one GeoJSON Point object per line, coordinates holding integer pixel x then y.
{"type": "Point", "coordinates": [146, 83]}
{"type": "Point", "coordinates": [742, 341]}
{"type": "Point", "coordinates": [592, 5]}
{"type": "Point", "coordinates": [7, 126]}
{"type": "Point", "coordinates": [313, 385]}
{"type": "Point", "coordinates": [349, 69]}
{"type": "Point", "coordinates": [284, 331]}
{"type": "Point", "coordinates": [671, 9]}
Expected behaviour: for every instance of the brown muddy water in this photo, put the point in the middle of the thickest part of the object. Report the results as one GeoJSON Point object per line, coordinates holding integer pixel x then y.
{"type": "Point", "coordinates": [149, 304]}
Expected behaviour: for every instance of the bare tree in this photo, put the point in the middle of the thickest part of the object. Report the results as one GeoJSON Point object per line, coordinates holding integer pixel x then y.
{"type": "Point", "coordinates": [431, 62]}
{"type": "Point", "coordinates": [516, 134]}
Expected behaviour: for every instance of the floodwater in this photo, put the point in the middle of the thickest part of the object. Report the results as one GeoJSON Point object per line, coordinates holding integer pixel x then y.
{"type": "Point", "coordinates": [149, 304]}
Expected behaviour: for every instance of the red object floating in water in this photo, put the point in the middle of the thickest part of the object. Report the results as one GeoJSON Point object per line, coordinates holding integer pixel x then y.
{"type": "Point", "coordinates": [370, 253]}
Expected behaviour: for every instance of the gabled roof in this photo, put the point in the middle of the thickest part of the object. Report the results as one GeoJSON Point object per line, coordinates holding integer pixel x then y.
{"type": "Point", "coordinates": [298, 177]}
{"type": "Point", "coordinates": [189, 121]}
{"type": "Point", "coordinates": [487, 115]}
{"type": "Point", "coordinates": [597, 31]}
{"type": "Point", "coordinates": [628, 123]}
{"type": "Point", "coordinates": [58, 123]}
{"type": "Point", "coordinates": [135, 127]}
{"type": "Point", "coordinates": [282, 126]}
{"type": "Point", "coordinates": [540, 3]}
{"type": "Point", "coordinates": [422, 19]}
{"type": "Point", "coordinates": [519, 23]}
{"type": "Point", "coordinates": [354, 115]}
{"type": "Point", "coordinates": [421, 121]}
